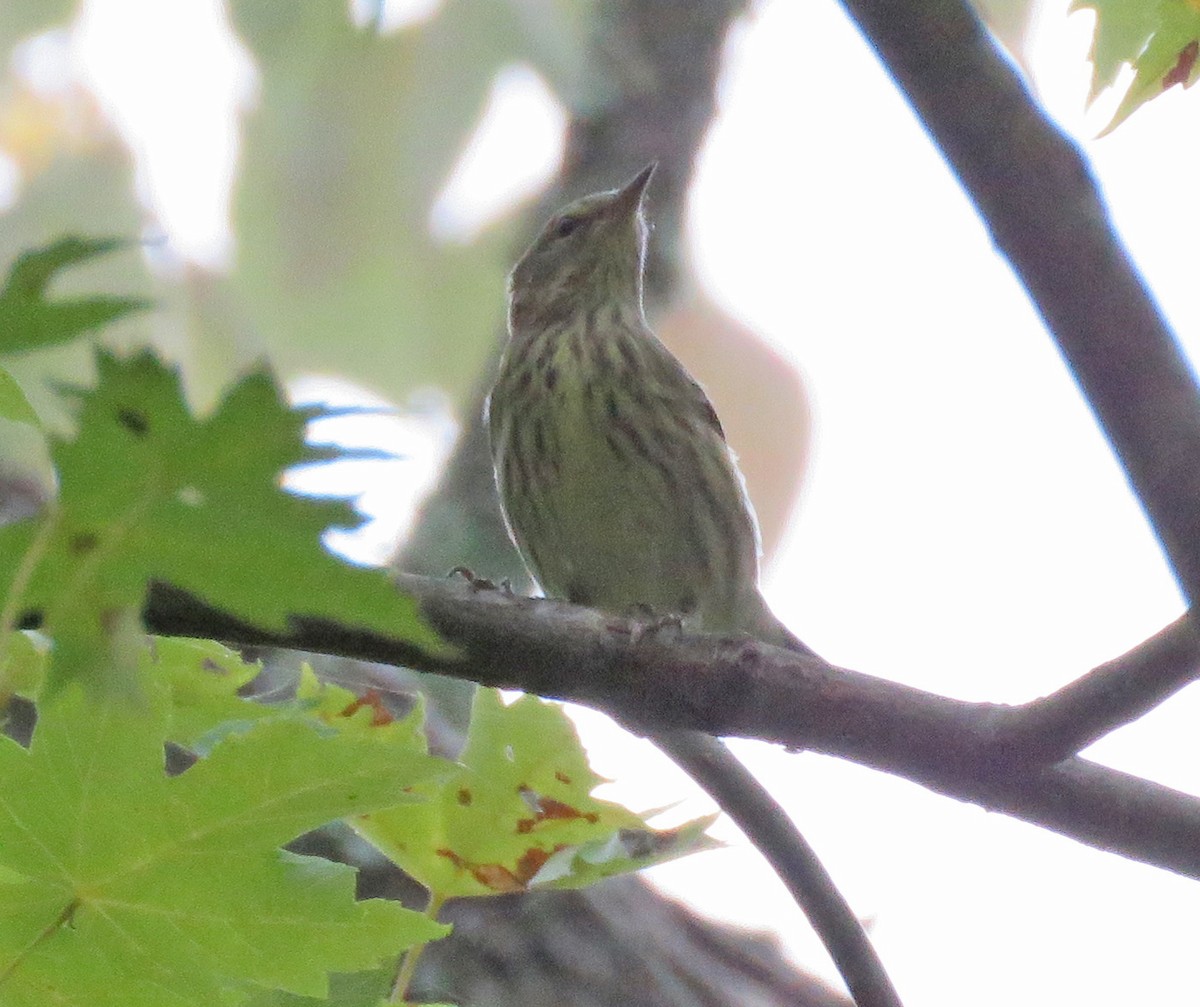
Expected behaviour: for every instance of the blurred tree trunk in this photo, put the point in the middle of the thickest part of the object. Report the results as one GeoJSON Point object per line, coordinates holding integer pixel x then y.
{"type": "Point", "coordinates": [656, 64]}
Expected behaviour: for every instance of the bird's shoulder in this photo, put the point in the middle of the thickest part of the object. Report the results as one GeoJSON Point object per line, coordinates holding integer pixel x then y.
{"type": "Point", "coordinates": [690, 394]}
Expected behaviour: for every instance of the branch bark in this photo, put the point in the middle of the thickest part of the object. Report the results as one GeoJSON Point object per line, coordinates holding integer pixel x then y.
{"type": "Point", "coordinates": [739, 795]}
{"type": "Point", "coordinates": [1117, 692]}
{"type": "Point", "coordinates": [743, 688]}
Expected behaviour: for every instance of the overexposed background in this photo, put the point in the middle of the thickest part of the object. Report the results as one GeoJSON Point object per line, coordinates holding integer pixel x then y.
{"type": "Point", "coordinates": [963, 527]}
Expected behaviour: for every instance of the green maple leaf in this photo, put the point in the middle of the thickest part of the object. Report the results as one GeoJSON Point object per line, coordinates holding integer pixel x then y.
{"type": "Point", "coordinates": [121, 886]}
{"type": "Point", "coordinates": [205, 680]}
{"type": "Point", "coordinates": [150, 492]}
{"type": "Point", "coordinates": [361, 989]}
{"type": "Point", "coordinates": [1160, 41]}
{"type": "Point", "coordinates": [1122, 29]}
{"type": "Point", "coordinates": [29, 321]}
{"type": "Point", "coordinates": [1169, 58]}
{"type": "Point", "coordinates": [518, 813]}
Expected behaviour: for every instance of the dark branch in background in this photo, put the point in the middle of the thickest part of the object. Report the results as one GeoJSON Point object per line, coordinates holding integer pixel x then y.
{"type": "Point", "coordinates": [695, 961]}
{"type": "Point", "coordinates": [741, 688]}
{"type": "Point", "coordinates": [1033, 189]}
{"type": "Point", "coordinates": [739, 794]}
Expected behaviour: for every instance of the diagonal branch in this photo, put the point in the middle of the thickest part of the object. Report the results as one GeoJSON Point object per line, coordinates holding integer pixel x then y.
{"type": "Point", "coordinates": [1033, 190]}
{"type": "Point", "coordinates": [765, 823]}
{"type": "Point", "coordinates": [747, 689]}
{"type": "Point", "coordinates": [1116, 693]}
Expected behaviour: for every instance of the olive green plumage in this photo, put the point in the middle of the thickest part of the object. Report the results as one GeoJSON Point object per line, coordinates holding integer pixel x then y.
{"type": "Point", "coordinates": [615, 478]}
{"type": "Point", "coordinates": [621, 493]}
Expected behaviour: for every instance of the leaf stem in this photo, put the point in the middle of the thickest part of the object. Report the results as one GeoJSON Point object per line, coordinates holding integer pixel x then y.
{"type": "Point", "coordinates": [20, 583]}
{"type": "Point", "coordinates": [408, 961]}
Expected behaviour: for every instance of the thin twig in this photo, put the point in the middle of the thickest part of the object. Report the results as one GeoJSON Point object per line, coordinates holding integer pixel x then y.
{"type": "Point", "coordinates": [1116, 693]}
{"type": "Point", "coordinates": [759, 816]}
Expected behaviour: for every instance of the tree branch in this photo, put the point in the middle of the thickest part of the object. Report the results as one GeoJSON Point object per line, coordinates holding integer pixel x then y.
{"type": "Point", "coordinates": [743, 688]}
{"type": "Point", "coordinates": [739, 794]}
{"type": "Point", "coordinates": [1034, 192]}
{"type": "Point", "coordinates": [1116, 693]}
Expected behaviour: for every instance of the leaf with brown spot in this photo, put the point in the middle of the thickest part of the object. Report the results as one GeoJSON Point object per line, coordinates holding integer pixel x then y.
{"type": "Point", "coordinates": [1182, 70]}
{"type": "Point", "coordinates": [529, 806]}
{"type": "Point", "coordinates": [373, 701]}
{"type": "Point", "coordinates": [532, 862]}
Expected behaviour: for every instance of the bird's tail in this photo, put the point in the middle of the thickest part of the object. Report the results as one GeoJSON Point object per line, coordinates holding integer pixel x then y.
{"type": "Point", "coordinates": [765, 626]}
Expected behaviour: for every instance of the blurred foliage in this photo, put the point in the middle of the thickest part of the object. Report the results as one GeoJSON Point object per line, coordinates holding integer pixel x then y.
{"type": "Point", "coordinates": [18, 20]}
{"type": "Point", "coordinates": [353, 136]}
{"type": "Point", "coordinates": [75, 179]}
{"type": "Point", "coordinates": [14, 406]}
{"type": "Point", "coordinates": [29, 319]}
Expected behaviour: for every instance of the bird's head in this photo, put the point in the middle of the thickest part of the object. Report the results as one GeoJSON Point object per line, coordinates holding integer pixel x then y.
{"type": "Point", "coordinates": [590, 253]}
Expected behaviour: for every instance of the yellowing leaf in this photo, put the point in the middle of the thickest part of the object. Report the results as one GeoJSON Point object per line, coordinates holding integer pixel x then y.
{"type": "Point", "coordinates": [519, 814]}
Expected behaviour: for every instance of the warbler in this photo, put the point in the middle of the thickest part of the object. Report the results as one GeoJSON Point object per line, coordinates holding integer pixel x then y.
{"type": "Point", "coordinates": [616, 481]}
{"type": "Point", "coordinates": [621, 493]}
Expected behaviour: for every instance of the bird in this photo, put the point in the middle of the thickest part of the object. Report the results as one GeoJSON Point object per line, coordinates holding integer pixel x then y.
{"type": "Point", "coordinates": [621, 493]}
{"type": "Point", "coordinates": [615, 478]}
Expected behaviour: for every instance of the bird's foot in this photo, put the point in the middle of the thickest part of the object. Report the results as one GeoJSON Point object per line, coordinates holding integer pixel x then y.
{"type": "Point", "coordinates": [480, 583]}
{"type": "Point", "coordinates": [642, 621]}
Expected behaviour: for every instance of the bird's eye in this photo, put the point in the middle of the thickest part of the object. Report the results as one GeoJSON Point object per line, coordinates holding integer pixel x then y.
{"type": "Point", "coordinates": [566, 226]}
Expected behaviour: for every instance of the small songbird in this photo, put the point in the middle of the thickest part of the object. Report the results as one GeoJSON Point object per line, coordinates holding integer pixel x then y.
{"type": "Point", "coordinates": [615, 478]}
{"type": "Point", "coordinates": [621, 494]}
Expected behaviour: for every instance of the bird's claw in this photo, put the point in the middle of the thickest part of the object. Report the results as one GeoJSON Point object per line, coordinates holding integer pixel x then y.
{"type": "Point", "coordinates": [642, 621]}
{"type": "Point", "coordinates": [479, 583]}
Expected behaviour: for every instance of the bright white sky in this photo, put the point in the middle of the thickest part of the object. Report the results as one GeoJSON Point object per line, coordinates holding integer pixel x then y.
{"type": "Point", "coordinates": [964, 527]}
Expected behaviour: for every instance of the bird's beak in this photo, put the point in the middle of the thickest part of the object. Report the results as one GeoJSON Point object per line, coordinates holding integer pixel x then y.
{"type": "Point", "coordinates": [629, 196]}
